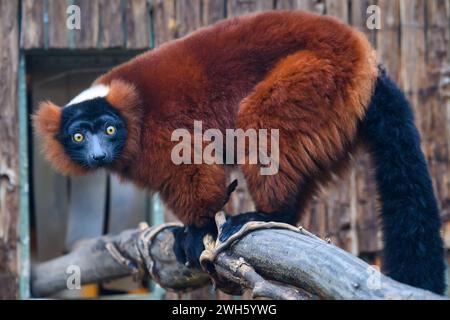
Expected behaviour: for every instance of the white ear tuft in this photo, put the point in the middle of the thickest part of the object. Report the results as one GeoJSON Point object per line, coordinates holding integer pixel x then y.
{"type": "Point", "coordinates": [97, 91]}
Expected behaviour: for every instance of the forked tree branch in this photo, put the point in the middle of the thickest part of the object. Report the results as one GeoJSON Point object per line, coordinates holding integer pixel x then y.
{"type": "Point", "coordinates": [274, 261]}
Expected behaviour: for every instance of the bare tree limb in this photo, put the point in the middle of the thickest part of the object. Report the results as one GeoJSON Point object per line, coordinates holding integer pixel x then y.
{"type": "Point", "coordinates": [272, 261]}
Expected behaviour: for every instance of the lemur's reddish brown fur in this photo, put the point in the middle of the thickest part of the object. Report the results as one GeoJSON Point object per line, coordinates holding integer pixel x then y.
{"type": "Point", "coordinates": [309, 76]}
{"type": "Point", "coordinates": [47, 123]}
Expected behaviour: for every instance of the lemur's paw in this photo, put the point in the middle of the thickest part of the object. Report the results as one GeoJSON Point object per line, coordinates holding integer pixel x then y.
{"type": "Point", "coordinates": [189, 243]}
{"type": "Point", "coordinates": [189, 240]}
{"type": "Point", "coordinates": [234, 223]}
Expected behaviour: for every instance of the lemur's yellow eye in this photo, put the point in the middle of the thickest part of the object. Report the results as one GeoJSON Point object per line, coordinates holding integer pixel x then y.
{"type": "Point", "coordinates": [110, 130]}
{"type": "Point", "coordinates": [78, 137]}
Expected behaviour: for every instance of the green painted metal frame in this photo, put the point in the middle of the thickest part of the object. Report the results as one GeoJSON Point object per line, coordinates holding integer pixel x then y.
{"type": "Point", "coordinates": [24, 211]}
{"type": "Point", "coordinates": [156, 217]}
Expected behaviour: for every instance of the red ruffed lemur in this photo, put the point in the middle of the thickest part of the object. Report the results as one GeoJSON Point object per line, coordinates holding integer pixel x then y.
{"type": "Point", "coordinates": [312, 77]}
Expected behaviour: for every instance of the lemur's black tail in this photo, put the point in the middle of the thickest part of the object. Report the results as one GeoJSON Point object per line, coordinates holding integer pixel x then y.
{"type": "Point", "coordinates": [413, 250]}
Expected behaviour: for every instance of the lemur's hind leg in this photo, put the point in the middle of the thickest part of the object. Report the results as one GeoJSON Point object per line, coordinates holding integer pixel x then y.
{"type": "Point", "coordinates": [307, 99]}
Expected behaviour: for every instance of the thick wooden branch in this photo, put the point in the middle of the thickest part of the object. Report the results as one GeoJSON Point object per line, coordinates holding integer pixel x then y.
{"type": "Point", "coordinates": [275, 263]}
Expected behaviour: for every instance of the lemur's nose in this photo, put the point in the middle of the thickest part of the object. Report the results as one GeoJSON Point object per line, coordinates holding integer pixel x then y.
{"type": "Point", "coordinates": [99, 157]}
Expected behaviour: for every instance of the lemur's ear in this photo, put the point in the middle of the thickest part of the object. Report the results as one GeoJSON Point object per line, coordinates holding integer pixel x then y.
{"type": "Point", "coordinates": [47, 119]}
{"type": "Point", "coordinates": [46, 123]}
{"type": "Point", "coordinates": [123, 96]}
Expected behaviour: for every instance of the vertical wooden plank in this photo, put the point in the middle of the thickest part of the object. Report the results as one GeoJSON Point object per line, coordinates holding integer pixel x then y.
{"type": "Point", "coordinates": [88, 36]}
{"type": "Point", "coordinates": [388, 38]}
{"type": "Point", "coordinates": [32, 35]}
{"type": "Point", "coordinates": [50, 207]}
{"type": "Point", "coordinates": [285, 4]}
{"type": "Point", "coordinates": [338, 9]}
{"type": "Point", "coordinates": [164, 22]}
{"type": "Point", "coordinates": [137, 24]}
{"type": "Point", "coordinates": [367, 226]}
{"type": "Point", "coordinates": [57, 30]}
{"type": "Point", "coordinates": [358, 17]}
{"type": "Point", "coordinates": [239, 7]}
{"type": "Point", "coordinates": [435, 98]}
{"type": "Point", "coordinates": [446, 233]}
{"type": "Point", "coordinates": [315, 216]}
{"type": "Point", "coordinates": [213, 11]}
{"type": "Point", "coordinates": [315, 6]}
{"type": "Point", "coordinates": [86, 208]}
{"type": "Point", "coordinates": [188, 16]}
{"type": "Point", "coordinates": [9, 150]}
{"type": "Point", "coordinates": [111, 24]}
{"type": "Point", "coordinates": [127, 205]}
{"type": "Point", "coordinates": [412, 59]}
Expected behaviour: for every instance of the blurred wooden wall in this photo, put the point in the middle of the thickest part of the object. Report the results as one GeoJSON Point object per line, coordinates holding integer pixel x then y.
{"type": "Point", "coordinates": [413, 43]}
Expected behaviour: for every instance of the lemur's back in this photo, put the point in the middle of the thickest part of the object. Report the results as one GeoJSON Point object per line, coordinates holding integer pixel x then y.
{"type": "Point", "coordinates": [250, 45]}
{"type": "Point", "coordinates": [214, 68]}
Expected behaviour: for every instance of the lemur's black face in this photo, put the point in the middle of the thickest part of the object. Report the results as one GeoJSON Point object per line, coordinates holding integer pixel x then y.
{"type": "Point", "coordinates": [93, 133]}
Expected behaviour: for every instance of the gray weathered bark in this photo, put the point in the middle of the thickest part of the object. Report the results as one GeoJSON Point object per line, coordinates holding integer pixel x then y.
{"type": "Point", "coordinates": [271, 261]}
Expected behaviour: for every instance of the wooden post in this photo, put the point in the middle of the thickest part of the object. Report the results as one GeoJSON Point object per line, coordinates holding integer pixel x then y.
{"type": "Point", "coordinates": [137, 24]}
{"type": "Point", "coordinates": [164, 23]}
{"type": "Point", "coordinates": [388, 38]}
{"type": "Point", "coordinates": [435, 100]}
{"type": "Point", "coordinates": [32, 24]}
{"type": "Point", "coordinates": [88, 36]}
{"type": "Point", "coordinates": [9, 150]}
{"type": "Point", "coordinates": [316, 6]}
{"type": "Point", "coordinates": [237, 7]}
{"type": "Point", "coordinates": [213, 11]}
{"type": "Point", "coordinates": [58, 33]}
{"type": "Point", "coordinates": [111, 24]}
{"type": "Point", "coordinates": [188, 15]}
